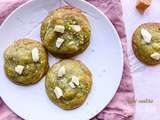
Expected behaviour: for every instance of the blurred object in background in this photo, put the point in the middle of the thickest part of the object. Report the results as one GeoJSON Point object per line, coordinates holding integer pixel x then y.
{"type": "Point", "coordinates": [142, 5]}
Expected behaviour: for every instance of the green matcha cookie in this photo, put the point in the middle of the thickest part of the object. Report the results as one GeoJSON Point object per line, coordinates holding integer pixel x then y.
{"type": "Point", "coordinates": [68, 83]}
{"type": "Point", "coordinates": [146, 43]}
{"type": "Point", "coordinates": [65, 32]}
{"type": "Point", "coordinates": [26, 62]}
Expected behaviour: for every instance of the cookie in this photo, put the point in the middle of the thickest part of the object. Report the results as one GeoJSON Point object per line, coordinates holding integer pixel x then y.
{"type": "Point", "coordinates": [146, 43]}
{"type": "Point", "coordinates": [68, 83]}
{"type": "Point", "coordinates": [65, 32]}
{"type": "Point", "coordinates": [26, 62]}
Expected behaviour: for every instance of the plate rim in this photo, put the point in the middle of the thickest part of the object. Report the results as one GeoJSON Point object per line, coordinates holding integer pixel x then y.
{"type": "Point", "coordinates": [109, 22]}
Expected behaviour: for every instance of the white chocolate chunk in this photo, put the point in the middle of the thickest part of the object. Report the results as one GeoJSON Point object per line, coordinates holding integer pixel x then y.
{"type": "Point", "coordinates": [155, 56]}
{"type": "Point", "coordinates": [19, 69]}
{"type": "Point", "coordinates": [71, 43]}
{"type": "Point", "coordinates": [59, 28]}
{"type": "Point", "coordinates": [59, 42]}
{"type": "Point", "coordinates": [35, 54]}
{"type": "Point", "coordinates": [146, 35]}
{"type": "Point", "coordinates": [75, 80]}
{"type": "Point", "coordinates": [71, 84]}
{"type": "Point", "coordinates": [61, 71]}
{"type": "Point", "coordinates": [76, 28]}
{"type": "Point", "coordinates": [58, 92]}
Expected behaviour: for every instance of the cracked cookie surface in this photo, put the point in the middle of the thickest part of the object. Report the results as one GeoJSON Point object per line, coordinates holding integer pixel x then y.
{"type": "Point", "coordinates": [65, 32]}
{"type": "Point", "coordinates": [68, 83]}
{"type": "Point", "coordinates": [146, 51]}
{"type": "Point", "coordinates": [26, 62]}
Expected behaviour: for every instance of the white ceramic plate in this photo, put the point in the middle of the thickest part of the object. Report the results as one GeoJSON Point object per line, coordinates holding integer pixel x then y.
{"type": "Point", "coordinates": [104, 58]}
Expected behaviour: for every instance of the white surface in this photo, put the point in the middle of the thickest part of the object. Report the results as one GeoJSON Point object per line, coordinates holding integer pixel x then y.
{"type": "Point", "coordinates": [32, 102]}
{"type": "Point", "coordinates": [146, 79]}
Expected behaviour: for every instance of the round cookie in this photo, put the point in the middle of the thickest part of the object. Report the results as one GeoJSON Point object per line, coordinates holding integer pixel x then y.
{"type": "Point", "coordinates": [68, 83]}
{"type": "Point", "coordinates": [146, 43]}
{"type": "Point", "coordinates": [65, 32]}
{"type": "Point", "coordinates": [26, 62]}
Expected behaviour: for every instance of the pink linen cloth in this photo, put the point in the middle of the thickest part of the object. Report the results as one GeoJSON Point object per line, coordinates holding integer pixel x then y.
{"type": "Point", "coordinates": [119, 108]}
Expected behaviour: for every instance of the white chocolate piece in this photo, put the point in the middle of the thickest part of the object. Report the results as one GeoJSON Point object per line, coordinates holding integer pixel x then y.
{"type": "Point", "coordinates": [71, 84]}
{"type": "Point", "coordinates": [71, 43]}
{"type": "Point", "coordinates": [58, 92]}
{"type": "Point", "coordinates": [76, 28]}
{"type": "Point", "coordinates": [59, 28]}
{"type": "Point", "coordinates": [59, 42]}
{"type": "Point", "coordinates": [35, 54]}
{"type": "Point", "coordinates": [155, 56]}
{"type": "Point", "coordinates": [146, 35]}
{"type": "Point", "coordinates": [61, 71]}
{"type": "Point", "coordinates": [75, 80]}
{"type": "Point", "coordinates": [19, 69]}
